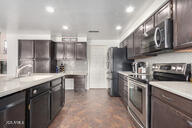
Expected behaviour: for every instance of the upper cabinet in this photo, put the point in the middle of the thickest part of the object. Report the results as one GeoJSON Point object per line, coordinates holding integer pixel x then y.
{"type": "Point", "coordinates": [182, 17]}
{"type": "Point", "coordinates": [164, 13]}
{"type": "Point", "coordinates": [81, 50]}
{"type": "Point", "coordinates": [26, 49]}
{"type": "Point", "coordinates": [130, 47]}
{"type": "Point", "coordinates": [149, 24]}
{"type": "Point", "coordinates": [70, 51]}
{"type": "Point", "coordinates": [138, 37]}
{"type": "Point", "coordinates": [42, 49]}
{"type": "Point", "coordinates": [58, 50]}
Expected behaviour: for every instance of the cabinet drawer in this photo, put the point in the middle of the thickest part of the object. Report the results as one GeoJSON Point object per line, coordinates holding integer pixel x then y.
{"type": "Point", "coordinates": [39, 89]}
{"type": "Point", "coordinates": [176, 101]}
{"type": "Point", "coordinates": [56, 82]}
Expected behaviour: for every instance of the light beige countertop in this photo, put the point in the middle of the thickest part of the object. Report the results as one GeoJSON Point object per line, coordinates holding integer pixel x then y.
{"type": "Point", "coordinates": [9, 85]}
{"type": "Point", "coordinates": [12, 85]}
{"type": "Point", "coordinates": [126, 73]}
{"type": "Point", "coordinates": [183, 89]}
{"type": "Point", "coordinates": [76, 73]}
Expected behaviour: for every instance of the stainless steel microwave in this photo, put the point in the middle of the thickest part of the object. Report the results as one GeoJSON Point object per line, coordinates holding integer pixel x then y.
{"type": "Point", "coordinates": [159, 38]}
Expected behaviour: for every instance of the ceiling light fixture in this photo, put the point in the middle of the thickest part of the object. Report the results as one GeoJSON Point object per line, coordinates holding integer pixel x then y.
{"type": "Point", "coordinates": [118, 27]}
{"type": "Point", "coordinates": [65, 27]}
{"type": "Point", "coordinates": [50, 9]}
{"type": "Point", "coordinates": [129, 9]}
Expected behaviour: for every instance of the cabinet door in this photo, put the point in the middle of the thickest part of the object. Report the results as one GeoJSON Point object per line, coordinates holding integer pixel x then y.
{"type": "Point", "coordinates": [130, 47]}
{"type": "Point", "coordinates": [182, 21]}
{"type": "Point", "coordinates": [70, 51]}
{"type": "Point", "coordinates": [164, 116]}
{"type": "Point", "coordinates": [164, 13]}
{"type": "Point", "coordinates": [42, 49]}
{"type": "Point", "coordinates": [79, 83]}
{"type": "Point", "coordinates": [56, 96]}
{"type": "Point", "coordinates": [149, 24]}
{"type": "Point", "coordinates": [40, 111]}
{"type": "Point", "coordinates": [81, 50]}
{"type": "Point", "coordinates": [59, 50]}
{"type": "Point", "coordinates": [26, 49]}
{"type": "Point", "coordinates": [138, 37]}
{"type": "Point", "coordinates": [42, 66]}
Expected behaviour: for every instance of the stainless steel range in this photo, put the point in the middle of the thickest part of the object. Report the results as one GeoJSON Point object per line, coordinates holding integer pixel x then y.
{"type": "Point", "coordinates": [139, 88]}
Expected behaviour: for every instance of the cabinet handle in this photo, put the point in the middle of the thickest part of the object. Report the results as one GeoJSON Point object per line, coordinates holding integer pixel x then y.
{"type": "Point", "coordinates": [167, 97]}
{"type": "Point", "coordinates": [189, 123]}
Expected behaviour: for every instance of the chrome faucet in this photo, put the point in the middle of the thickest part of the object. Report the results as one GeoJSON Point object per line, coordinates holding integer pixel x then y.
{"type": "Point", "coordinates": [21, 67]}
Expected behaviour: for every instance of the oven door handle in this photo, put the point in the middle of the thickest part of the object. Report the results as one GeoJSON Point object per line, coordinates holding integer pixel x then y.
{"type": "Point", "coordinates": [134, 117]}
{"type": "Point", "coordinates": [138, 84]}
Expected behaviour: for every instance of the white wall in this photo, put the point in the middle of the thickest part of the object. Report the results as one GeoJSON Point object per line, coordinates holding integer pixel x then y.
{"type": "Point", "coordinates": [12, 53]}
{"type": "Point", "coordinates": [92, 81]}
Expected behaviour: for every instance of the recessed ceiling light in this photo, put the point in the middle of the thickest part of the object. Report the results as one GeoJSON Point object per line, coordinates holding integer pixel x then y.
{"type": "Point", "coordinates": [118, 27]}
{"type": "Point", "coordinates": [129, 9]}
{"type": "Point", "coordinates": [50, 9]}
{"type": "Point", "coordinates": [65, 27]}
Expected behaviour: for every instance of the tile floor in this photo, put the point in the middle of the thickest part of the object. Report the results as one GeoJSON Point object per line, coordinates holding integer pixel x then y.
{"type": "Point", "coordinates": [92, 109]}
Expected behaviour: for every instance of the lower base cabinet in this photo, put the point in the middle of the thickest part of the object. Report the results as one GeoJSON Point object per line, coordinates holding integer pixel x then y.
{"type": "Point", "coordinates": [40, 111]}
{"type": "Point", "coordinates": [123, 89]}
{"type": "Point", "coordinates": [56, 95]}
{"type": "Point", "coordinates": [164, 115]}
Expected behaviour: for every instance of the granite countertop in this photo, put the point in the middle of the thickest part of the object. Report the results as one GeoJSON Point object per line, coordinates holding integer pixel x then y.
{"type": "Point", "coordinates": [9, 85]}
{"type": "Point", "coordinates": [12, 85]}
{"type": "Point", "coordinates": [183, 89]}
{"type": "Point", "coordinates": [76, 73]}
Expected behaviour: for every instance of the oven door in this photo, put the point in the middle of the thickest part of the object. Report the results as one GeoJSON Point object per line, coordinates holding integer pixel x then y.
{"type": "Point", "coordinates": [137, 102]}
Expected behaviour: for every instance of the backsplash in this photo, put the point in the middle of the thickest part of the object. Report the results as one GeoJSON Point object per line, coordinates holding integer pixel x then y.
{"type": "Point", "coordinates": [168, 58]}
{"type": "Point", "coordinates": [77, 66]}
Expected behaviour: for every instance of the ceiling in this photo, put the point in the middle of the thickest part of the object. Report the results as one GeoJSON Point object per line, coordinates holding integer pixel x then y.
{"type": "Point", "coordinates": [80, 15]}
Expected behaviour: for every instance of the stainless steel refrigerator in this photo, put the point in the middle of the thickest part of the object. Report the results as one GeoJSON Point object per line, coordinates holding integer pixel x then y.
{"type": "Point", "coordinates": [116, 61]}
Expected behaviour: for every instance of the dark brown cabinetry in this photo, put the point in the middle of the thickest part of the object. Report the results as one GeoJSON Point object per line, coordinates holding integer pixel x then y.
{"type": "Point", "coordinates": [182, 17]}
{"type": "Point", "coordinates": [42, 49]}
{"type": "Point", "coordinates": [42, 66]}
{"type": "Point", "coordinates": [12, 111]}
{"type": "Point", "coordinates": [138, 37]}
{"type": "Point", "coordinates": [149, 24]}
{"type": "Point", "coordinates": [130, 47]}
{"type": "Point", "coordinates": [81, 50]}
{"type": "Point", "coordinates": [164, 13]}
{"type": "Point", "coordinates": [40, 111]}
{"type": "Point", "coordinates": [26, 49]}
{"type": "Point", "coordinates": [69, 51]}
{"type": "Point", "coordinates": [57, 50]}
{"type": "Point", "coordinates": [79, 82]}
{"type": "Point", "coordinates": [123, 89]}
{"type": "Point", "coordinates": [169, 110]}
{"type": "Point", "coordinates": [56, 97]}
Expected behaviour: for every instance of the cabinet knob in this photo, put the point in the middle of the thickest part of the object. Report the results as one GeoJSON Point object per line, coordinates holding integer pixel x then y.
{"type": "Point", "coordinates": [35, 91]}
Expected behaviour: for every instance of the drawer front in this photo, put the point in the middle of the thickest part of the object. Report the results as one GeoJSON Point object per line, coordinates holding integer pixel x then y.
{"type": "Point", "coordinates": [56, 82]}
{"type": "Point", "coordinates": [123, 77]}
{"type": "Point", "coordinates": [176, 101]}
{"type": "Point", "coordinates": [39, 89]}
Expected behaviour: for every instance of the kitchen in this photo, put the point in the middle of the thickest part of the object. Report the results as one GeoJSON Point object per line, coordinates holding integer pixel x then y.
{"type": "Point", "coordinates": [125, 64]}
